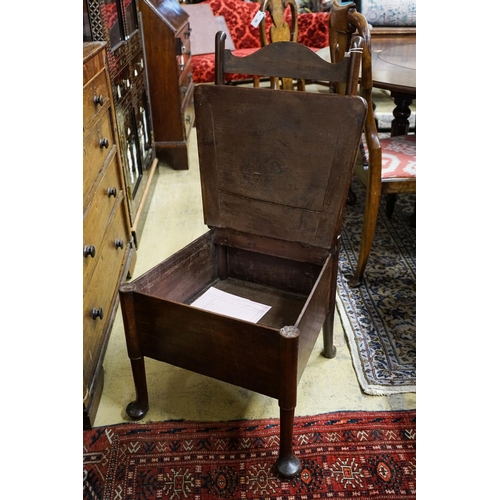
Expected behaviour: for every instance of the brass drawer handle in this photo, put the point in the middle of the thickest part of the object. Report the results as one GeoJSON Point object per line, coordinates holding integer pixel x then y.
{"type": "Point", "coordinates": [97, 313]}
{"type": "Point", "coordinates": [103, 143]}
{"type": "Point", "coordinates": [118, 244]}
{"type": "Point", "coordinates": [89, 250]}
{"type": "Point", "coordinates": [111, 192]}
{"type": "Point", "coordinates": [99, 100]}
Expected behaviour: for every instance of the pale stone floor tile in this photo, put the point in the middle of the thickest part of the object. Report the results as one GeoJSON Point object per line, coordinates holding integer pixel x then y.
{"type": "Point", "coordinates": [174, 219]}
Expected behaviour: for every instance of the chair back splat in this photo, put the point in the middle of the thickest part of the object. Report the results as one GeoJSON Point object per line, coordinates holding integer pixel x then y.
{"type": "Point", "coordinates": [279, 31]}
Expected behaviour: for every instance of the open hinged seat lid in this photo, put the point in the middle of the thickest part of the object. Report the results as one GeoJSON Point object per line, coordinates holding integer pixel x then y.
{"type": "Point", "coordinates": [277, 163]}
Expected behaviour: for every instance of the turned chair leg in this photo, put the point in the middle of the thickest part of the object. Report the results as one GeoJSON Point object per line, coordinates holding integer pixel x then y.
{"type": "Point", "coordinates": [390, 204]}
{"type": "Point", "coordinates": [329, 350]}
{"type": "Point", "coordinates": [369, 223]}
{"type": "Point", "coordinates": [351, 197]}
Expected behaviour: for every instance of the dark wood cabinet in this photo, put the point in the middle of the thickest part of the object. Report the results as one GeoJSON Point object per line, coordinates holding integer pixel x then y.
{"type": "Point", "coordinates": [118, 23]}
{"type": "Point", "coordinates": [168, 51]}
{"type": "Point", "coordinates": [108, 248]}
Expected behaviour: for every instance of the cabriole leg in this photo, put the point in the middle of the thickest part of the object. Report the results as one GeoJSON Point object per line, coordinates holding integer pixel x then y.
{"type": "Point", "coordinates": [136, 409]}
{"type": "Point", "coordinates": [288, 464]}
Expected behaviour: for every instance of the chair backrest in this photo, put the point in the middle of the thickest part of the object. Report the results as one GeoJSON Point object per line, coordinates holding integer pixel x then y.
{"type": "Point", "coordinates": [290, 60]}
{"type": "Point", "coordinates": [280, 29]}
{"type": "Point", "coordinates": [276, 164]}
{"type": "Point", "coordinates": [344, 25]}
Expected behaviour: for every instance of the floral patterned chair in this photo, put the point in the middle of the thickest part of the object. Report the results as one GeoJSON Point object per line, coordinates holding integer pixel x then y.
{"type": "Point", "coordinates": [238, 15]}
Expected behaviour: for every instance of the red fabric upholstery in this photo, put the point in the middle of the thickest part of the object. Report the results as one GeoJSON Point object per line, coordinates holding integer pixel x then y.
{"type": "Point", "coordinates": [204, 67]}
{"type": "Point", "coordinates": [313, 32]}
{"type": "Point", "coordinates": [313, 29]}
{"type": "Point", "coordinates": [238, 16]}
{"type": "Point", "coordinates": [399, 157]}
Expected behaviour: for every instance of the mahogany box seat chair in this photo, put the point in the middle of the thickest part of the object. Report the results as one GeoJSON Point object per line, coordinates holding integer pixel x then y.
{"type": "Point", "coordinates": [391, 162]}
{"type": "Point", "coordinates": [274, 186]}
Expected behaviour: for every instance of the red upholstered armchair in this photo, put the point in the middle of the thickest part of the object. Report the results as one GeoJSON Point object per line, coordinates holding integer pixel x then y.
{"type": "Point", "coordinates": [238, 14]}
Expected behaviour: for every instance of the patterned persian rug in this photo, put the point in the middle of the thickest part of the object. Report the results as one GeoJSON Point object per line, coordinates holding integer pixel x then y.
{"type": "Point", "coordinates": [343, 455]}
{"type": "Point", "coordinates": [380, 316]}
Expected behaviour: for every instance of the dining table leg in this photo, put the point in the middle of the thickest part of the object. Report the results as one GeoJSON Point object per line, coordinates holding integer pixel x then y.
{"type": "Point", "coordinates": [400, 125]}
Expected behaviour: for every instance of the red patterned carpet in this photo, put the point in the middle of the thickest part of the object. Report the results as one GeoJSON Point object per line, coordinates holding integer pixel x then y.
{"type": "Point", "coordinates": [343, 455]}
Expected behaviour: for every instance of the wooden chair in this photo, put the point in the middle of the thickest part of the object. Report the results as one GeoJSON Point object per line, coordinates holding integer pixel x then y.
{"type": "Point", "coordinates": [279, 32]}
{"type": "Point", "coordinates": [346, 22]}
{"type": "Point", "coordinates": [274, 185]}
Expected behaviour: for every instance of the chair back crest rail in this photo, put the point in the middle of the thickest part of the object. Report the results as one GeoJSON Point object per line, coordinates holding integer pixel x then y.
{"type": "Point", "coordinates": [289, 60]}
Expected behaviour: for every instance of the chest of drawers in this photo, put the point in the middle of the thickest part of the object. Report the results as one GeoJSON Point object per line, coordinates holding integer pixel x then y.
{"type": "Point", "coordinates": [108, 250]}
{"type": "Point", "coordinates": [118, 23]}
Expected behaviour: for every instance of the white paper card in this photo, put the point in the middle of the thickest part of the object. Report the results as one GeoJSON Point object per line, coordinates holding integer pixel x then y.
{"type": "Point", "coordinates": [258, 18]}
{"type": "Point", "coordinates": [220, 302]}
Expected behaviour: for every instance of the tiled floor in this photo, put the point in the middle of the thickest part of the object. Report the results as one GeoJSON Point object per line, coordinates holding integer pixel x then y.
{"type": "Point", "coordinates": [174, 219]}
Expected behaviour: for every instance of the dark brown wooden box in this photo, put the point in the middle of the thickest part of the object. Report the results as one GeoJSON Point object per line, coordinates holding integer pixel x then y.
{"type": "Point", "coordinates": [275, 170]}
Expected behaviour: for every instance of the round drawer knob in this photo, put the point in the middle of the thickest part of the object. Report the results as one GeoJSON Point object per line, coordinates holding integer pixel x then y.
{"type": "Point", "coordinates": [98, 100]}
{"type": "Point", "coordinates": [111, 192]}
{"type": "Point", "coordinates": [97, 313]}
{"type": "Point", "coordinates": [89, 250]}
{"type": "Point", "coordinates": [103, 143]}
{"type": "Point", "coordinates": [118, 244]}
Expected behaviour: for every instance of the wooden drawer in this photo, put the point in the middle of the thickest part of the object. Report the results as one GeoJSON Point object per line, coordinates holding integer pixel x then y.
{"type": "Point", "coordinates": [101, 291]}
{"type": "Point", "coordinates": [95, 152]}
{"type": "Point", "coordinates": [95, 98]}
{"type": "Point", "coordinates": [98, 216]}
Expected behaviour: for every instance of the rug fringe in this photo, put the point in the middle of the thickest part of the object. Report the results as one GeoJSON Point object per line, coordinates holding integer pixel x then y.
{"type": "Point", "coordinates": [370, 389]}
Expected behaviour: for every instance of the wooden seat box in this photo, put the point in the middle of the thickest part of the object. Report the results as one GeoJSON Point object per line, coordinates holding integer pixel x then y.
{"type": "Point", "coordinates": [274, 184]}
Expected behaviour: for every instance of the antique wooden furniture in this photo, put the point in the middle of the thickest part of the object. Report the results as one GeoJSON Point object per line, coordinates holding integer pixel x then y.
{"type": "Point", "coordinates": [118, 23]}
{"type": "Point", "coordinates": [168, 51]}
{"type": "Point", "coordinates": [391, 164]}
{"type": "Point", "coordinates": [393, 32]}
{"type": "Point", "coordinates": [274, 185]}
{"type": "Point", "coordinates": [394, 69]}
{"type": "Point", "coordinates": [279, 31]}
{"type": "Point", "coordinates": [108, 248]}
